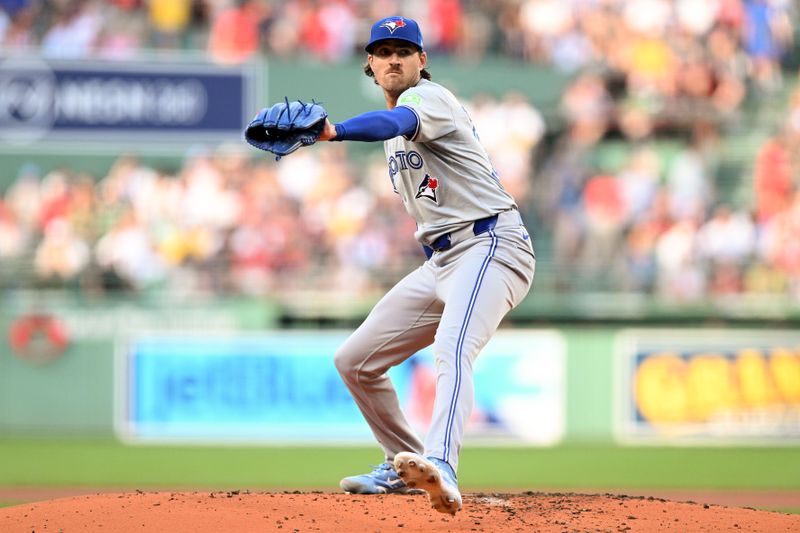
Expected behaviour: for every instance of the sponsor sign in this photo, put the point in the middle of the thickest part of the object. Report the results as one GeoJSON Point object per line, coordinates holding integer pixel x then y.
{"type": "Point", "coordinates": [283, 387]}
{"type": "Point", "coordinates": [38, 337]}
{"type": "Point", "coordinates": [708, 386]}
{"type": "Point", "coordinates": [180, 100]}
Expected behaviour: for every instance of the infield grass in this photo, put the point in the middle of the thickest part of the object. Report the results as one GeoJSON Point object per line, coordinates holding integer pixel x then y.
{"type": "Point", "coordinates": [34, 462]}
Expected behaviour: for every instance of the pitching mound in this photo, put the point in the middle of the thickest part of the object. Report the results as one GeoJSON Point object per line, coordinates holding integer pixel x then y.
{"type": "Point", "coordinates": [241, 512]}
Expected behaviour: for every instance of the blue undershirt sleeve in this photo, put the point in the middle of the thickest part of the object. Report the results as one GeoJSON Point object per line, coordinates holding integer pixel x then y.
{"type": "Point", "coordinates": [377, 125]}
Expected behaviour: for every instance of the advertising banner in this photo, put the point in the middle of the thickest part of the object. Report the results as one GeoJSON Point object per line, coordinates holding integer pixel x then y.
{"type": "Point", "coordinates": [708, 386]}
{"type": "Point", "coordinates": [179, 100]}
{"type": "Point", "coordinates": [283, 387]}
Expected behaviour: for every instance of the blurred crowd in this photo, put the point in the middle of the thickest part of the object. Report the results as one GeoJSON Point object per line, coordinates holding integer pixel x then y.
{"type": "Point", "coordinates": [660, 224]}
{"type": "Point", "coordinates": [232, 221]}
{"type": "Point", "coordinates": [621, 183]}
{"type": "Point", "coordinates": [648, 37]}
{"type": "Point", "coordinates": [226, 222]}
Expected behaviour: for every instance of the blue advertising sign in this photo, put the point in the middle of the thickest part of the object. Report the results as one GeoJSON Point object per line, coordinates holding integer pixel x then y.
{"type": "Point", "coordinates": [284, 387]}
{"type": "Point", "coordinates": [179, 100]}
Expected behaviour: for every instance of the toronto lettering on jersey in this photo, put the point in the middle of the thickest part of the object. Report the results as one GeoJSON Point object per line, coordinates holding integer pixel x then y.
{"type": "Point", "coordinates": [402, 160]}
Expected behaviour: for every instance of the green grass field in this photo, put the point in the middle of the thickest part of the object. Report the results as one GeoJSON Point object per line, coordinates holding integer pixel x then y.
{"type": "Point", "coordinates": [109, 464]}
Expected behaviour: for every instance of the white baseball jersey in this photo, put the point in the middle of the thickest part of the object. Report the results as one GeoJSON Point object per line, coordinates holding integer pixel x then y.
{"type": "Point", "coordinates": [458, 297]}
{"type": "Point", "coordinates": [442, 172]}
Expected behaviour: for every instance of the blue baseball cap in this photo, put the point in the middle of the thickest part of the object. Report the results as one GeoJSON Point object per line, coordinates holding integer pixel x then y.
{"type": "Point", "coordinates": [395, 28]}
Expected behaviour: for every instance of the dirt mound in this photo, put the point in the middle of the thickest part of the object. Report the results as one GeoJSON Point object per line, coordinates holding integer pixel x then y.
{"type": "Point", "coordinates": [244, 511]}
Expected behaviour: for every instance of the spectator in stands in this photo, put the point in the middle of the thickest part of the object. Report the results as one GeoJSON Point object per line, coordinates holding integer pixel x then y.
{"type": "Point", "coordinates": [125, 31]}
{"type": "Point", "coordinates": [75, 31]}
{"type": "Point", "coordinates": [328, 30]}
{"type": "Point", "coordinates": [726, 243]}
{"type": "Point", "coordinates": [604, 209]}
{"type": "Point", "coordinates": [696, 18]}
{"type": "Point", "coordinates": [587, 107]}
{"type": "Point", "coordinates": [61, 255]}
{"type": "Point", "coordinates": [82, 208]}
{"type": "Point", "coordinates": [54, 199]}
{"type": "Point", "coordinates": [126, 255]}
{"type": "Point", "coordinates": [689, 180]}
{"type": "Point", "coordinates": [12, 238]}
{"type": "Point", "coordinates": [767, 32]}
{"type": "Point", "coordinates": [510, 130]}
{"type": "Point", "coordinates": [680, 275]}
{"type": "Point", "coordinates": [780, 243]}
{"type": "Point", "coordinates": [445, 26]}
{"type": "Point", "coordinates": [544, 22]}
{"type": "Point", "coordinates": [728, 237]}
{"type": "Point", "coordinates": [235, 32]}
{"type": "Point", "coordinates": [772, 180]}
{"type": "Point", "coordinates": [17, 18]}
{"type": "Point", "coordinates": [730, 66]}
{"type": "Point", "coordinates": [169, 20]}
{"type": "Point", "coordinates": [651, 66]}
{"type": "Point", "coordinates": [639, 181]}
{"type": "Point", "coordinates": [640, 269]}
{"type": "Point", "coordinates": [23, 197]}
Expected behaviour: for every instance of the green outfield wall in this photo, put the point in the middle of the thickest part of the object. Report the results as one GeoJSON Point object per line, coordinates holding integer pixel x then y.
{"type": "Point", "coordinates": [44, 391]}
{"type": "Point", "coordinates": [603, 383]}
{"type": "Point", "coordinates": [74, 392]}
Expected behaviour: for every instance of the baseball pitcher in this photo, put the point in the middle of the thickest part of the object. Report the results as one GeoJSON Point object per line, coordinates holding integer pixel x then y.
{"type": "Point", "coordinates": [480, 262]}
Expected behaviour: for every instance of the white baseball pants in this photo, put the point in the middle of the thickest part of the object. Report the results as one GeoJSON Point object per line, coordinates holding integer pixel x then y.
{"type": "Point", "coordinates": [454, 301]}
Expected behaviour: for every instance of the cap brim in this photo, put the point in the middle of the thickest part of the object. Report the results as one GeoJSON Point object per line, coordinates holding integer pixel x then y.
{"type": "Point", "coordinates": [371, 45]}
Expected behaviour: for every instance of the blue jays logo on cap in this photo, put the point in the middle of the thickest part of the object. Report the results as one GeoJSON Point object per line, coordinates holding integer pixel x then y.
{"type": "Point", "coordinates": [395, 27]}
{"type": "Point", "coordinates": [392, 25]}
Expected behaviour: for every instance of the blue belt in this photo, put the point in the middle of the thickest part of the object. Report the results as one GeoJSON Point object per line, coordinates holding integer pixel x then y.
{"type": "Point", "coordinates": [443, 241]}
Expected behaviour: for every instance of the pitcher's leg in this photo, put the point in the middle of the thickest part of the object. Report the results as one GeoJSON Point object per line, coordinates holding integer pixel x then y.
{"type": "Point", "coordinates": [482, 290]}
{"type": "Point", "coordinates": [402, 322]}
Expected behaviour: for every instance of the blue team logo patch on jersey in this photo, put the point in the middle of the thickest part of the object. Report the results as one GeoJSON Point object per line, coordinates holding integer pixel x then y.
{"type": "Point", "coordinates": [427, 188]}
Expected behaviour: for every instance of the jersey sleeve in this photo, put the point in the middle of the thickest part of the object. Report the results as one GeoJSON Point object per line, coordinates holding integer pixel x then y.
{"type": "Point", "coordinates": [434, 112]}
{"type": "Point", "coordinates": [378, 125]}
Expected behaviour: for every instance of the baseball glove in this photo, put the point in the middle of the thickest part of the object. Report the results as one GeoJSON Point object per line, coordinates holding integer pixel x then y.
{"type": "Point", "coordinates": [286, 126]}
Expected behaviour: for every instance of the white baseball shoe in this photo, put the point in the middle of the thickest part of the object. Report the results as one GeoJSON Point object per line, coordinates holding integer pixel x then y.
{"type": "Point", "coordinates": [434, 476]}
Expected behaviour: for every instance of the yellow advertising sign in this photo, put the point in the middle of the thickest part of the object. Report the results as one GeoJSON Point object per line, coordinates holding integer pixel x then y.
{"type": "Point", "coordinates": [708, 383]}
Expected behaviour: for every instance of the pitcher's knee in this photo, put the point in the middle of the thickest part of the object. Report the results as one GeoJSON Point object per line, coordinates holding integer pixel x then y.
{"type": "Point", "coordinates": [346, 361]}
